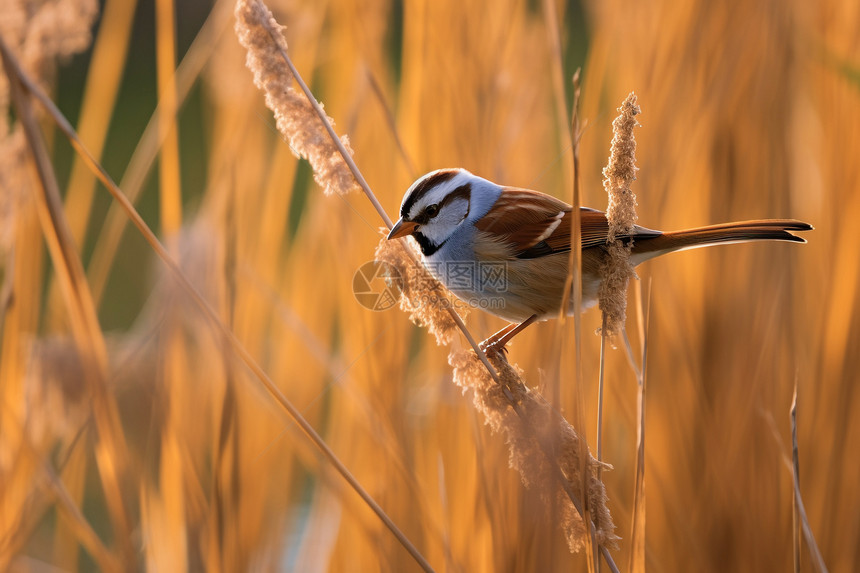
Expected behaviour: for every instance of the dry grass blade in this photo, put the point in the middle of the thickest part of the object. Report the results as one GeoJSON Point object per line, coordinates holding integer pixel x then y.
{"type": "Point", "coordinates": [111, 452]}
{"type": "Point", "coordinates": [798, 499]}
{"type": "Point", "coordinates": [637, 534]}
{"type": "Point", "coordinates": [601, 375]}
{"type": "Point", "coordinates": [559, 97]}
{"type": "Point", "coordinates": [7, 288]}
{"type": "Point", "coordinates": [79, 524]}
{"type": "Point", "coordinates": [571, 136]}
{"type": "Point", "coordinates": [225, 551]}
{"type": "Point", "coordinates": [391, 123]}
{"type": "Point", "coordinates": [574, 285]}
{"type": "Point", "coordinates": [792, 465]}
{"type": "Point", "coordinates": [170, 192]}
{"type": "Point", "coordinates": [72, 515]}
{"type": "Point", "coordinates": [232, 342]}
{"type": "Point", "coordinates": [61, 246]}
{"type": "Point", "coordinates": [569, 133]}
{"type": "Point", "coordinates": [149, 144]}
{"type": "Point", "coordinates": [100, 93]}
{"type": "Point", "coordinates": [795, 515]}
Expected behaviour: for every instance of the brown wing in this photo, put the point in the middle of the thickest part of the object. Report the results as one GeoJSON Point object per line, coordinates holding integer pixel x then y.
{"type": "Point", "coordinates": [523, 218]}
{"type": "Point", "coordinates": [535, 224]}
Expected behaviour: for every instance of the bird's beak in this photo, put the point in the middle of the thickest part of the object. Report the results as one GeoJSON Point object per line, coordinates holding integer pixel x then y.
{"type": "Point", "coordinates": [401, 229]}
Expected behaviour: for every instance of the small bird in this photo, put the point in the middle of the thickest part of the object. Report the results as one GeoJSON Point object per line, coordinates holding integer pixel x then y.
{"type": "Point", "coordinates": [506, 250]}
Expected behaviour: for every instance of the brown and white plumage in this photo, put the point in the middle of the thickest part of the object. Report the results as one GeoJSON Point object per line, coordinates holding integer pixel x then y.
{"type": "Point", "coordinates": [459, 218]}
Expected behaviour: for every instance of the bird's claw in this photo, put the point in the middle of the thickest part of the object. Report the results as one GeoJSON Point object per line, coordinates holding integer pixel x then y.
{"type": "Point", "coordinates": [492, 347]}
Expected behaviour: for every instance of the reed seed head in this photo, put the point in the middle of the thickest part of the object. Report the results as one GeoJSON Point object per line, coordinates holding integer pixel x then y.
{"type": "Point", "coordinates": [540, 431]}
{"type": "Point", "coordinates": [39, 33]}
{"type": "Point", "coordinates": [263, 37]}
{"type": "Point", "coordinates": [422, 296]}
{"type": "Point", "coordinates": [620, 173]}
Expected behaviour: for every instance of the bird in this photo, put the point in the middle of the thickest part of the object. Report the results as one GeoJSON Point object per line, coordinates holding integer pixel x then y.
{"type": "Point", "coordinates": [507, 250]}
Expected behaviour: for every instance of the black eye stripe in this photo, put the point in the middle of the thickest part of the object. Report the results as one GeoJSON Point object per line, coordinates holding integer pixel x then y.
{"type": "Point", "coordinates": [426, 185]}
{"type": "Point", "coordinates": [423, 217]}
{"type": "Point", "coordinates": [461, 192]}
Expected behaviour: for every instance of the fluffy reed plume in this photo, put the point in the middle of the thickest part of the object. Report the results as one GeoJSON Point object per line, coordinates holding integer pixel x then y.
{"type": "Point", "coordinates": [422, 296]}
{"type": "Point", "coordinates": [263, 37]}
{"type": "Point", "coordinates": [39, 32]}
{"type": "Point", "coordinates": [533, 435]}
{"type": "Point", "coordinates": [619, 174]}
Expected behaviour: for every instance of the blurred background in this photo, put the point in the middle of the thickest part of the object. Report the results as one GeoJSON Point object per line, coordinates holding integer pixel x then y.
{"type": "Point", "coordinates": [176, 460]}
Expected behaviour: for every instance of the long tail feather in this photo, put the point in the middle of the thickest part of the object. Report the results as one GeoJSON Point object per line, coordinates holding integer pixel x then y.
{"type": "Point", "coordinates": [739, 232]}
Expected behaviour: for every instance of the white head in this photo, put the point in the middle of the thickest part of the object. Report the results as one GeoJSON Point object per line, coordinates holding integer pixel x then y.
{"type": "Point", "coordinates": [441, 202]}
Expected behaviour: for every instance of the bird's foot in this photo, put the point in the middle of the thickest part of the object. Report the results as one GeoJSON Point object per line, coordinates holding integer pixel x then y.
{"type": "Point", "coordinates": [494, 346]}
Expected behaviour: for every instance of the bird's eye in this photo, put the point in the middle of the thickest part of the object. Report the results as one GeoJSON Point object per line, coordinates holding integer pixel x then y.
{"type": "Point", "coordinates": [432, 210]}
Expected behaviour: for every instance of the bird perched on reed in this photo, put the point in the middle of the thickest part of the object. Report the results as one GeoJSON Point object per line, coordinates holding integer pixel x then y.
{"type": "Point", "coordinates": [487, 242]}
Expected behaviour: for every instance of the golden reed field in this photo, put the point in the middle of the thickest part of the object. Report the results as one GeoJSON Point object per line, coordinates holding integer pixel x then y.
{"type": "Point", "coordinates": [188, 381]}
